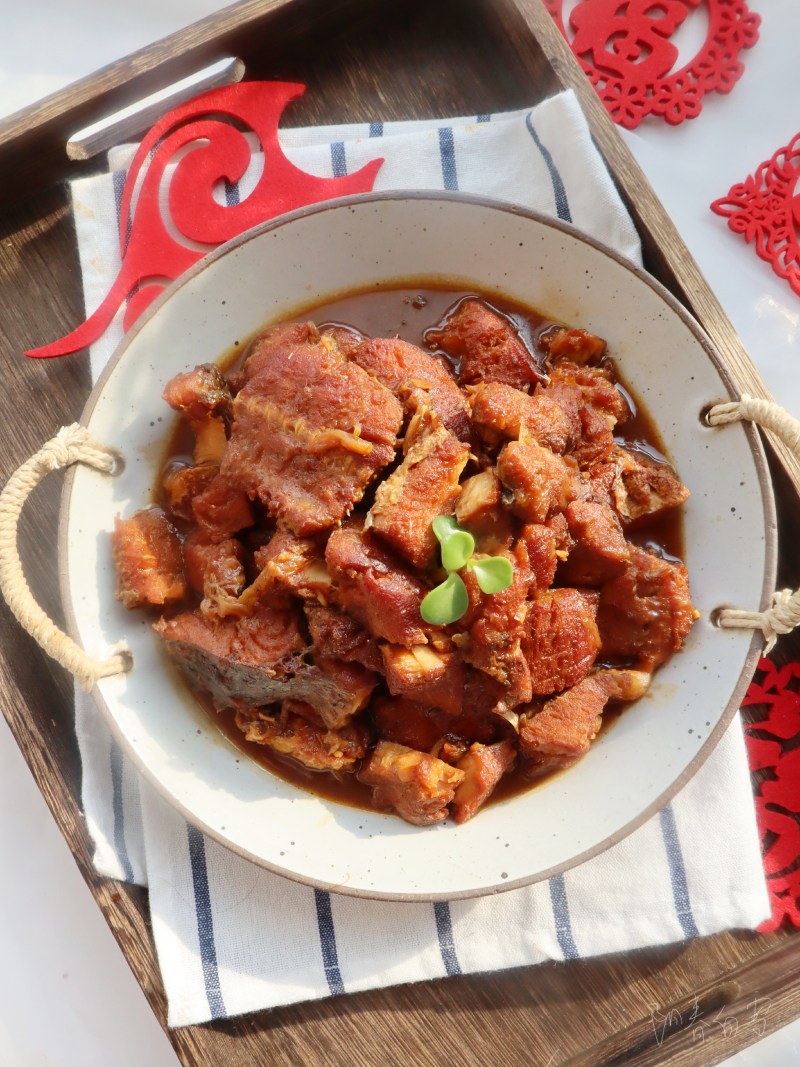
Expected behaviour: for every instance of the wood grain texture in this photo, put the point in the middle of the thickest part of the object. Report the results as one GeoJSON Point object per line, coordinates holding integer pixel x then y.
{"type": "Point", "coordinates": [693, 1003]}
{"type": "Point", "coordinates": [33, 141]}
{"type": "Point", "coordinates": [39, 290]}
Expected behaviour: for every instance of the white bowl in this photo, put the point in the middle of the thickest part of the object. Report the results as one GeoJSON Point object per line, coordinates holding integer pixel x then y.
{"type": "Point", "coordinates": [313, 255]}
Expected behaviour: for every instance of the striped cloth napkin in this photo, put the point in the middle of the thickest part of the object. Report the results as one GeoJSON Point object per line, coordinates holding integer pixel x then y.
{"type": "Point", "coordinates": [234, 938]}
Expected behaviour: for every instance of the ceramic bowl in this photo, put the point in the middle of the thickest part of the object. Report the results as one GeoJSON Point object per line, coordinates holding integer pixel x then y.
{"type": "Point", "coordinates": [296, 261]}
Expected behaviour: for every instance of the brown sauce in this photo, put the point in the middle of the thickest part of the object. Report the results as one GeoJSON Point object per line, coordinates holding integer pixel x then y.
{"type": "Point", "coordinates": [345, 788]}
{"type": "Point", "coordinates": [409, 313]}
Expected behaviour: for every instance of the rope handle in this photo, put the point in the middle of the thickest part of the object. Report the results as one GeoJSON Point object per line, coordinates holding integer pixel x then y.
{"type": "Point", "coordinates": [784, 614]}
{"type": "Point", "coordinates": [72, 444]}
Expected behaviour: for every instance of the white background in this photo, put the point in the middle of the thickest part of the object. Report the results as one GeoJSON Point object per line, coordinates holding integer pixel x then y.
{"type": "Point", "coordinates": [68, 998]}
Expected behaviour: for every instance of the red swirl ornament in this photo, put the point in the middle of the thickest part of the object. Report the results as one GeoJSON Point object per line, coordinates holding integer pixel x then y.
{"type": "Point", "coordinates": [764, 209]}
{"type": "Point", "coordinates": [626, 48]}
{"type": "Point", "coordinates": [773, 747]}
{"type": "Point", "coordinates": [190, 153]}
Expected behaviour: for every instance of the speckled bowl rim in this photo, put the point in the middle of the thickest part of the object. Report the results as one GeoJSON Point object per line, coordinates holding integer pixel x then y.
{"type": "Point", "coordinates": [756, 449]}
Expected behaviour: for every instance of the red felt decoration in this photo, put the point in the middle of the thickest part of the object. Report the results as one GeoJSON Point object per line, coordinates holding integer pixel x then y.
{"type": "Point", "coordinates": [773, 747]}
{"type": "Point", "coordinates": [765, 210]}
{"type": "Point", "coordinates": [627, 50]}
{"type": "Point", "coordinates": [203, 142]}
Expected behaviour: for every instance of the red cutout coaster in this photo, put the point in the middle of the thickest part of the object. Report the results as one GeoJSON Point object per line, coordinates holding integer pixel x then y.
{"type": "Point", "coordinates": [205, 141]}
{"type": "Point", "coordinates": [765, 210]}
{"type": "Point", "coordinates": [773, 747]}
{"type": "Point", "coordinates": [627, 49]}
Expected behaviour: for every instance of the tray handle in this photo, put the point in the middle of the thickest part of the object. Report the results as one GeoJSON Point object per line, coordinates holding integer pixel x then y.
{"type": "Point", "coordinates": [784, 613]}
{"type": "Point", "coordinates": [72, 444]}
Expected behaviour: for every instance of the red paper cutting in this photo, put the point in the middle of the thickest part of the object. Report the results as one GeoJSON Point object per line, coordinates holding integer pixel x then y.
{"type": "Point", "coordinates": [204, 143]}
{"type": "Point", "coordinates": [773, 747]}
{"type": "Point", "coordinates": [765, 210]}
{"type": "Point", "coordinates": [627, 49]}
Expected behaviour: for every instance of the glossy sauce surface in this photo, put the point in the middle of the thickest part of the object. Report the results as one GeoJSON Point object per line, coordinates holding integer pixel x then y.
{"type": "Point", "coordinates": [409, 313]}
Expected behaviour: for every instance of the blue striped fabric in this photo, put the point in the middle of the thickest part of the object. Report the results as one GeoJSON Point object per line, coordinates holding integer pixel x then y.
{"type": "Point", "coordinates": [560, 905]}
{"type": "Point", "coordinates": [559, 192]}
{"type": "Point", "coordinates": [338, 159]}
{"type": "Point", "coordinates": [118, 178]}
{"type": "Point", "coordinates": [327, 941]}
{"type": "Point", "coordinates": [677, 872]}
{"type": "Point", "coordinates": [205, 923]}
{"type": "Point", "coordinates": [448, 156]}
{"type": "Point", "coordinates": [444, 931]}
{"type": "Point", "coordinates": [231, 193]}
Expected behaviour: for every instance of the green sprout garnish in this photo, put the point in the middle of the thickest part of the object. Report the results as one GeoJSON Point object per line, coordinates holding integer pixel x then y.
{"type": "Point", "coordinates": [450, 600]}
{"type": "Point", "coordinates": [447, 602]}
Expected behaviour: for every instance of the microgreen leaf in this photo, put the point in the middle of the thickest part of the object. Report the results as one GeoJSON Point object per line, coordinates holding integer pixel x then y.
{"type": "Point", "coordinates": [494, 574]}
{"type": "Point", "coordinates": [446, 603]}
{"type": "Point", "coordinates": [457, 544]}
{"type": "Point", "coordinates": [456, 550]}
{"type": "Point", "coordinates": [450, 600]}
{"type": "Point", "coordinates": [444, 526]}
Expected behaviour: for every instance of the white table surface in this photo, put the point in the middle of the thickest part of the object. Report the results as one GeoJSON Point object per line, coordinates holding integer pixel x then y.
{"type": "Point", "coordinates": [68, 998]}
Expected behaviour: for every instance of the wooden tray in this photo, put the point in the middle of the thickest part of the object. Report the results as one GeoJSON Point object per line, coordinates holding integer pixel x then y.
{"type": "Point", "coordinates": [694, 1003]}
